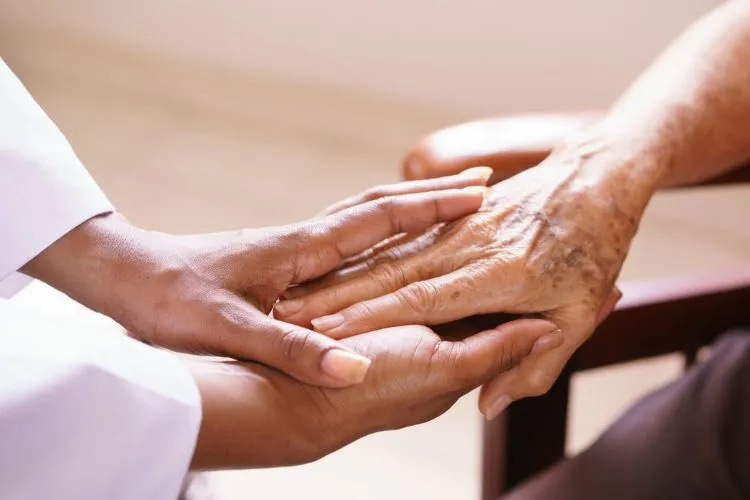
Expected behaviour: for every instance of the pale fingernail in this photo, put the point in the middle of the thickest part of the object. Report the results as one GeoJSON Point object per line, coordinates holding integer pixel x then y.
{"type": "Point", "coordinates": [325, 323]}
{"type": "Point", "coordinates": [483, 190]}
{"type": "Point", "coordinates": [550, 341]}
{"type": "Point", "coordinates": [498, 406]}
{"type": "Point", "coordinates": [288, 307]}
{"type": "Point", "coordinates": [345, 366]}
{"type": "Point", "coordinates": [415, 167]}
{"type": "Point", "coordinates": [481, 172]}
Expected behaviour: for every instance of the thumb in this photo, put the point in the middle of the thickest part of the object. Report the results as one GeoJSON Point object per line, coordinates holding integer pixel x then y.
{"type": "Point", "coordinates": [488, 353]}
{"type": "Point", "coordinates": [306, 355]}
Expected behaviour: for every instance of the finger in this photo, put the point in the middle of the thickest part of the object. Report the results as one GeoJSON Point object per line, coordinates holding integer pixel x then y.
{"type": "Point", "coordinates": [434, 301]}
{"type": "Point", "coordinates": [381, 280]}
{"type": "Point", "coordinates": [537, 373]}
{"type": "Point", "coordinates": [303, 354]}
{"type": "Point", "coordinates": [331, 240]}
{"type": "Point", "coordinates": [350, 268]}
{"type": "Point", "coordinates": [482, 356]}
{"type": "Point", "coordinates": [396, 249]}
{"type": "Point", "coordinates": [608, 305]}
{"type": "Point", "coordinates": [476, 176]}
{"type": "Point", "coordinates": [526, 380]}
{"type": "Point", "coordinates": [497, 394]}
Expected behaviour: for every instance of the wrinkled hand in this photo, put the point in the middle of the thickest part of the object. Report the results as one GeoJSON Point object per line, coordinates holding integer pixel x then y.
{"type": "Point", "coordinates": [211, 293]}
{"type": "Point", "coordinates": [550, 241]}
{"type": "Point", "coordinates": [255, 416]}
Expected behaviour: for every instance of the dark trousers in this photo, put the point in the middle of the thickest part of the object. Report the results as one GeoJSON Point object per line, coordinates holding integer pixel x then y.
{"type": "Point", "coordinates": [689, 440]}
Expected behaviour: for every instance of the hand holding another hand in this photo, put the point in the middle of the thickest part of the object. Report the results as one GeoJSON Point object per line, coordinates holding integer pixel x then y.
{"type": "Point", "coordinates": [211, 293]}
{"type": "Point", "coordinates": [550, 241]}
{"type": "Point", "coordinates": [254, 416]}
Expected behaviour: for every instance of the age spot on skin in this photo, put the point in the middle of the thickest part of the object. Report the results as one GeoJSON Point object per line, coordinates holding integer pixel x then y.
{"type": "Point", "coordinates": [455, 295]}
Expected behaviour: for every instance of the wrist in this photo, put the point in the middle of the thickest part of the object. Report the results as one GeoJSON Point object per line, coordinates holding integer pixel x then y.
{"type": "Point", "coordinates": [613, 165]}
{"type": "Point", "coordinates": [89, 262]}
{"type": "Point", "coordinates": [253, 417]}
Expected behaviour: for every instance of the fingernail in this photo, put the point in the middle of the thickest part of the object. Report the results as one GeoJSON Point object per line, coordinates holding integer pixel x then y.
{"type": "Point", "coordinates": [550, 341]}
{"type": "Point", "coordinates": [325, 323]}
{"type": "Point", "coordinates": [345, 365]}
{"type": "Point", "coordinates": [415, 167]}
{"type": "Point", "coordinates": [483, 190]}
{"type": "Point", "coordinates": [497, 407]}
{"type": "Point", "coordinates": [288, 307]}
{"type": "Point", "coordinates": [481, 172]}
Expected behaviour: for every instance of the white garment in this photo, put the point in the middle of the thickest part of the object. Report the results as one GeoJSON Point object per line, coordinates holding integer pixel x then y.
{"type": "Point", "coordinates": [84, 414]}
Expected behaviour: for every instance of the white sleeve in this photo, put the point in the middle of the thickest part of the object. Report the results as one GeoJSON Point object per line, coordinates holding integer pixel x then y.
{"type": "Point", "coordinates": [87, 414]}
{"type": "Point", "coordinates": [44, 189]}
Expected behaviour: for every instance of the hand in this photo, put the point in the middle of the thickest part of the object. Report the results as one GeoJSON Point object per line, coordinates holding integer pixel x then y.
{"type": "Point", "coordinates": [254, 416]}
{"type": "Point", "coordinates": [550, 241]}
{"type": "Point", "coordinates": [212, 293]}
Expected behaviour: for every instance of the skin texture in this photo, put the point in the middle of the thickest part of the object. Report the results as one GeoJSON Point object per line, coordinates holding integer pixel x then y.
{"type": "Point", "coordinates": [212, 293]}
{"type": "Point", "coordinates": [551, 240]}
{"type": "Point", "coordinates": [254, 416]}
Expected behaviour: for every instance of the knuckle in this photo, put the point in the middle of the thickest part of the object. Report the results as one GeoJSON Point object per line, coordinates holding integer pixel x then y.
{"type": "Point", "coordinates": [388, 276]}
{"type": "Point", "coordinates": [421, 296]}
{"type": "Point", "coordinates": [363, 311]}
{"type": "Point", "coordinates": [510, 357]}
{"type": "Point", "coordinates": [541, 383]}
{"type": "Point", "coordinates": [389, 206]}
{"type": "Point", "coordinates": [451, 355]}
{"type": "Point", "coordinates": [293, 344]}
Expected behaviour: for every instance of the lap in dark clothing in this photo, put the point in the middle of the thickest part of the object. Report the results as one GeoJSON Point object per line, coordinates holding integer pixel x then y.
{"type": "Point", "coordinates": [689, 440]}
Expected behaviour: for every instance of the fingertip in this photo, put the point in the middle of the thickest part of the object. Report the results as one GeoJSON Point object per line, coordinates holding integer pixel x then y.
{"type": "Point", "coordinates": [500, 384]}
{"type": "Point", "coordinates": [456, 203]}
{"type": "Point", "coordinates": [481, 192]}
{"type": "Point", "coordinates": [324, 324]}
{"type": "Point", "coordinates": [348, 367]}
{"type": "Point", "coordinates": [496, 406]}
{"type": "Point", "coordinates": [548, 342]}
{"type": "Point", "coordinates": [531, 327]}
{"type": "Point", "coordinates": [414, 167]}
{"type": "Point", "coordinates": [483, 173]}
{"type": "Point", "coordinates": [287, 308]}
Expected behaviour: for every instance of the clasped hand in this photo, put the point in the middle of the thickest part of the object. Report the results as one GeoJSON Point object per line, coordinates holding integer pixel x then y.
{"type": "Point", "coordinates": [549, 242]}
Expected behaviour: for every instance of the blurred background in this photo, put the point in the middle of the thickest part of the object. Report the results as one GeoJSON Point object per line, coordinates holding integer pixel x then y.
{"type": "Point", "coordinates": [198, 116]}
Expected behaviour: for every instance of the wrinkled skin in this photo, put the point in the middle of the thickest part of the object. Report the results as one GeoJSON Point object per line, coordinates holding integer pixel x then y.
{"type": "Point", "coordinates": [549, 241]}
{"type": "Point", "coordinates": [416, 375]}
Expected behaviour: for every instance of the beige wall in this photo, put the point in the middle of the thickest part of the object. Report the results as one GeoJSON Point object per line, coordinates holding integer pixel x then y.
{"type": "Point", "coordinates": [471, 56]}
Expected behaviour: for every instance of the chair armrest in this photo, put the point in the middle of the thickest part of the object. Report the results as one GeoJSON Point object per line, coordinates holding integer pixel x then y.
{"type": "Point", "coordinates": [660, 316]}
{"type": "Point", "coordinates": [508, 144]}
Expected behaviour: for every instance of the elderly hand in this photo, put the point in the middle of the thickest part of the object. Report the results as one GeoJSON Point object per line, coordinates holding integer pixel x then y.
{"type": "Point", "coordinates": [550, 240]}
{"type": "Point", "coordinates": [212, 293]}
{"type": "Point", "coordinates": [257, 417]}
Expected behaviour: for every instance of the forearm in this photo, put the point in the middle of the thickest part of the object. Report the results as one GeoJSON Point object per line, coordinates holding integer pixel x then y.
{"type": "Point", "coordinates": [687, 118]}
{"type": "Point", "coordinates": [252, 417]}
